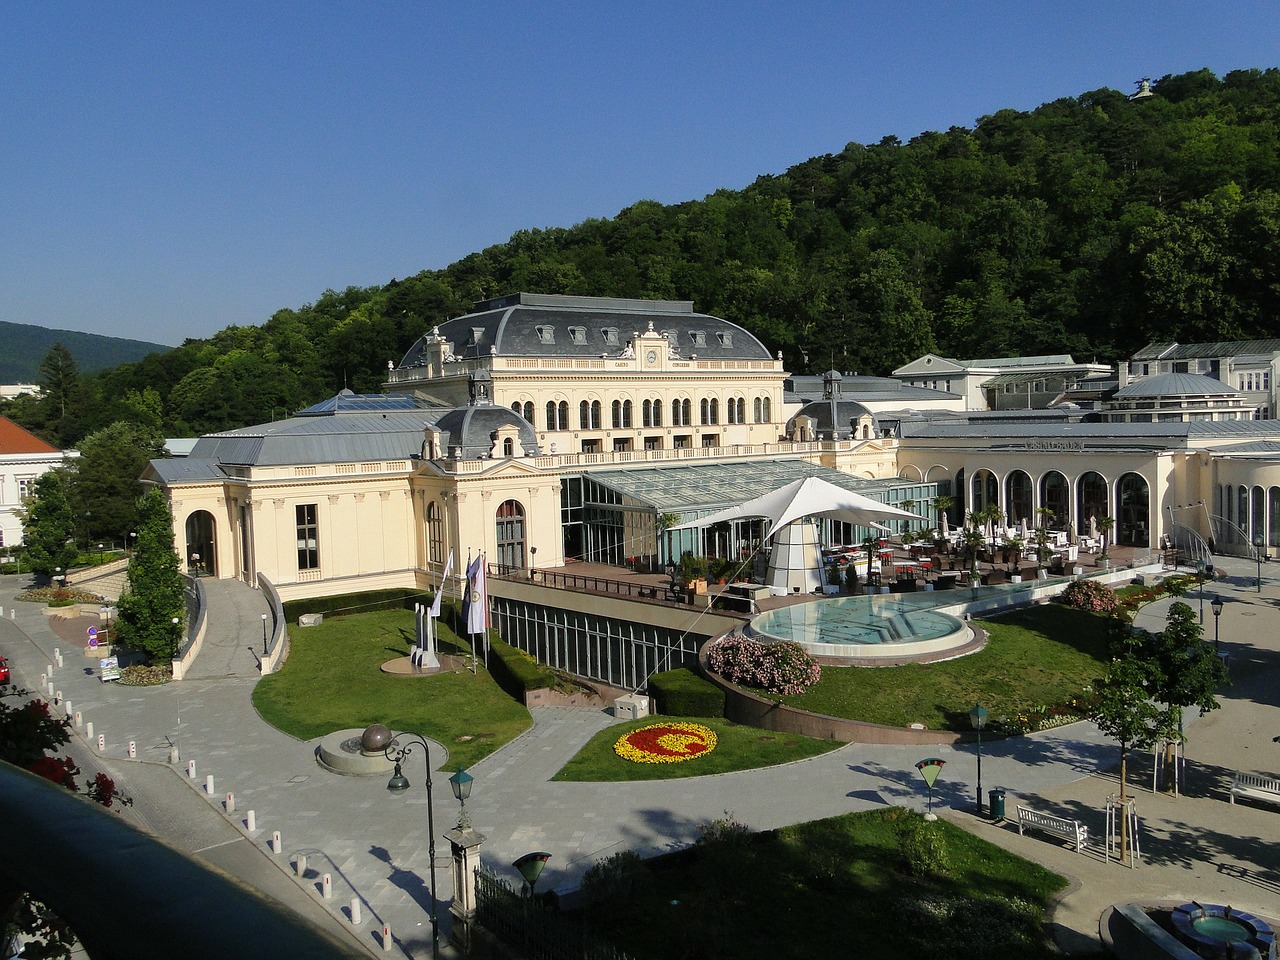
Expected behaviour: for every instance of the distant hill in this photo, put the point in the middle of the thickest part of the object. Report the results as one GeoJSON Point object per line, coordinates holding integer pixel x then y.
{"type": "Point", "coordinates": [24, 346]}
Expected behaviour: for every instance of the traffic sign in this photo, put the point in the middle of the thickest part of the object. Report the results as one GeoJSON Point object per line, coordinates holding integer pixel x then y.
{"type": "Point", "coordinates": [92, 632]}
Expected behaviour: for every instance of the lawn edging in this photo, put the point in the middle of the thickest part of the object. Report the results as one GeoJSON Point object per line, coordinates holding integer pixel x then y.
{"type": "Point", "coordinates": [752, 710]}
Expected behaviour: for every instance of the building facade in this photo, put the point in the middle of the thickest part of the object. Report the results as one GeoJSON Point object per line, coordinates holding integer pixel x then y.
{"type": "Point", "coordinates": [23, 458]}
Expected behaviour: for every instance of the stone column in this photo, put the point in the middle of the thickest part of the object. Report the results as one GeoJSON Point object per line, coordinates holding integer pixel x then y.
{"type": "Point", "coordinates": [465, 844]}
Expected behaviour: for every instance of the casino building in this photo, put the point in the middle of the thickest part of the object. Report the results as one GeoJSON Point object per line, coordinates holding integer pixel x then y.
{"type": "Point", "coordinates": [543, 430]}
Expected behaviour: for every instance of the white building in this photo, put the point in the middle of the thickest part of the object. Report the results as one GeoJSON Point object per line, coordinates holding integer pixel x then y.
{"type": "Point", "coordinates": [23, 458]}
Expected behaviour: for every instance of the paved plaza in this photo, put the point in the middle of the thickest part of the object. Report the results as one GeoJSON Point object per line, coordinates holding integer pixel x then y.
{"type": "Point", "coordinates": [374, 843]}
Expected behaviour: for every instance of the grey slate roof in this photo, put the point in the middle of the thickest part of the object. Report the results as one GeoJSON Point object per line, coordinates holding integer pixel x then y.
{"type": "Point", "coordinates": [827, 419]}
{"type": "Point", "coordinates": [467, 432]}
{"type": "Point", "coordinates": [1195, 351]}
{"type": "Point", "coordinates": [866, 388]}
{"type": "Point", "coordinates": [512, 326]}
{"type": "Point", "coordinates": [1176, 385]}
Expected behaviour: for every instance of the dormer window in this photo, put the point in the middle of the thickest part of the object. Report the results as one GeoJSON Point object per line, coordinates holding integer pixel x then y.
{"type": "Point", "coordinates": [671, 336]}
{"type": "Point", "coordinates": [546, 333]}
{"type": "Point", "coordinates": [610, 335]}
{"type": "Point", "coordinates": [578, 334]}
{"type": "Point", "coordinates": [698, 337]}
{"type": "Point", "coordinates": [477, 335]}
{"type": "Point", "coordinates": [725, 338]}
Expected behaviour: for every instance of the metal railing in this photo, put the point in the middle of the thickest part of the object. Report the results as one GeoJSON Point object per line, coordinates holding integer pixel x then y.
{"type": "Point", "coordinates": [539, 933]}
{"type": "Point", "coordinates": [586, 584]}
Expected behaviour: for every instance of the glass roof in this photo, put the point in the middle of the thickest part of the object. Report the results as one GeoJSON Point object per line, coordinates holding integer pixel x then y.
{"type": "Point", "coordinates": [348, 402]}
{"type": "Point", "coordinates": [703, 487]}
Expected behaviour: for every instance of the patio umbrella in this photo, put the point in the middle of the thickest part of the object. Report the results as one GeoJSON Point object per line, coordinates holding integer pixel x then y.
{"type": "Point", "coordinates": [946, 525]}
{"type": "Point", "coordinates": [1071, 532]}
{"type": "Point", "coordinates": [1093, 527]}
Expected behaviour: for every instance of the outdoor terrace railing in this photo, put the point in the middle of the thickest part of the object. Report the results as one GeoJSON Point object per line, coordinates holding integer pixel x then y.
{"type": "Point", "coordinates": [581, 582]}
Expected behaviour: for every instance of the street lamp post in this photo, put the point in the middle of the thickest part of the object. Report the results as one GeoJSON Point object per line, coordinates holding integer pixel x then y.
{"type": "Point", "coordinates": [460, 784]}
{"type": "Point", "coordinates": [264, 634]}
{"type": "Point", "coordinates": [396, 747]}
{"type": "Point", "coordinates": [133, 543]}
{"type": "Point", "coordinates": [1217, 605]}
{"type": "Point", "coordinates": [1257, 553]}
{"type": "Point", "coordinates": [978, 718]}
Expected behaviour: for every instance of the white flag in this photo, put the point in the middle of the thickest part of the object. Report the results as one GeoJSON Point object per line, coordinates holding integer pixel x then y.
{"type": "Point", "coordinates": [435, 604]}
{"type": "Point", "coordinates": [477, 597]}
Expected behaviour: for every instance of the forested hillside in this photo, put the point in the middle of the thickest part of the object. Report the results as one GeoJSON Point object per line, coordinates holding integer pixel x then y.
{"type": "Point", "coordinates": [1090, 226]}
{"type": "Point", "coordinates": [25, 344]}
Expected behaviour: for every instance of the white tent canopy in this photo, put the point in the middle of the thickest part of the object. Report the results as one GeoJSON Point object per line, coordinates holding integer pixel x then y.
{"type": "Point", "coordinates": [809, 497]}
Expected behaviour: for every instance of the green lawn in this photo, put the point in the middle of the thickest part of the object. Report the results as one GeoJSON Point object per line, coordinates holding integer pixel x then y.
{"type": "Point", "coordinates": [737, 748]}
{"type": "Point", "coordinates": [332, 681]}
{"type": "Point", "coordinates": [835, 888]}
{"type": "Point", "coordinates": [1038, 656]}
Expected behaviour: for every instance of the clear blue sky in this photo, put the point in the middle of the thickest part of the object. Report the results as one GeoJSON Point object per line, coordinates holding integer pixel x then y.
{"type": "Point", "coordinates": [168, 169]}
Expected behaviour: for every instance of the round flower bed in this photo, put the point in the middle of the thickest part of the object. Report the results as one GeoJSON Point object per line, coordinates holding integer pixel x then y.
{"type": "Point", "coordinates": [665, 743]}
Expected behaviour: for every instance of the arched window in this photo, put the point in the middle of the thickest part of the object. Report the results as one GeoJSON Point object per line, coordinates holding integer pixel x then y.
{"type": "Point", "coordinates": [657, 413]}
{"type": "Point", "coordinates": [1133, 498]}
{"type": "Point", "coordinates": [508, 447]}
{"type": "Point", "coordinates": [756, 408]}
{"type": "Point", "coordinates": [584, 415]}
{"type": "Point", "coordinates": [595, 414]}
{"type": "Point", "coordinates": [617, 414]}
{"type": "Point", "coordinates": [646, 414]}
{"type": "Point", "coordinates": [1091, 499]}
{"type": "Point", "coordinates": [510, 530]}
{"type": "Point", "coordinates": [435, 533]}
{"type": "Point", "coordinates": [1258, 520]}
{"type": "Point", "coordinates": [564, 415]}
{"type": "Point", "coordinates": [742, 409]}
{"type": "Point", "coordinates": [1273, 511]}
{"type": "Point", "coordinates": [626, 414]}
{"type": "Point", "coordinates": [1018, 497]}
{"type": "Point", "coordinates": [551, 415]}
{"type": "Point", "coordinates": [985, 490]}
{"type": "Point", "coordinates": [705, 410]}
{"type": "Point", "coordinates": [866, 431]}
{"type": "Point", "coordinates": [713, 411]}
{"type": "Point", "coordinates": [517, 408]}
{"type": "Point", "coordinates": [1054, 495]}
{"type": "Point", "coordinates": [528, 411]}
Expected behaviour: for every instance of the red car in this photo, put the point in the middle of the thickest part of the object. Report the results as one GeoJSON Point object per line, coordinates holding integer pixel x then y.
{"type": "Point", "coordinates": [4, 671]}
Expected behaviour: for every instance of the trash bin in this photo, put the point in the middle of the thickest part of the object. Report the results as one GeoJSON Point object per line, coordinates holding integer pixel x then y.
{"type": "Point", "coordinates": [997, 803]}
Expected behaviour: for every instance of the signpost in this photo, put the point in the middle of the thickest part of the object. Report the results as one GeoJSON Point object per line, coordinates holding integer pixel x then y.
{"type": "Point", "coordinates": [110, 667]}
{"type": "Point", "coordinates": [929, 768]}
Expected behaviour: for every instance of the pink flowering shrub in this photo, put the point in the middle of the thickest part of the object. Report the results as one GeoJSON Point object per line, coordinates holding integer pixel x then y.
{"type": "Point", "coordinates": [781, 667]}
{"type": "Point", "coordinates": [1091, 596]}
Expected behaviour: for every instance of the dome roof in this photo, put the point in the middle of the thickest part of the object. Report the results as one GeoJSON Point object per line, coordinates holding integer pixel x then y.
{"type": "Point", "coordinates": [1176, 385]}
{"type": "Point", "coordinates": [837, 416]}
{"type": "Point", "coordinates": [468, 433]}
{"type": "Point", "coordinates": [545, 325]}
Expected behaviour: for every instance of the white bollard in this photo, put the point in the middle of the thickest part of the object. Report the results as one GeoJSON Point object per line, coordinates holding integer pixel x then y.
{"type": "Point", "coordinates": [133, 749]}
{"type": "Point", "coordinates": [88, 730]}
{"type": "Point", "coordinates": [57, 651]}
{"type": "Point", "coordinates": [386, 938]}
{"type": "Point", "coordinates": [355, 912]}
{"type": "Point", "coordinates": [302, 865]}
{"type": "Point", "coordinates": [44, 680]}
{"type": "Point", "coordinates": [102, 742]}
{"type": "Point", "coordinates": [208, 784]}
{"type": "Point", "coordinates": [231, 803]}
{"type": "Point", "coordinates": [251, 822]}
{"type": "Point", "coordinates": [276, 843]}
{"type": "Point", "coordinates": [191, 769]}
{"type": "Point", "coordinates": [49, 687]}
{"type": "Point", "coordinates": [79, 720]}
{"type": "Point", "coordinates": [57, 696]}
{"type": "Point", "coordinates": [67, 705]}
{"type": "Point", "coordinates": [326, 886]}
{"type": "Point", "coordinates": [57, 658]}
{"type": "Point", "coordinates": [48, 668]}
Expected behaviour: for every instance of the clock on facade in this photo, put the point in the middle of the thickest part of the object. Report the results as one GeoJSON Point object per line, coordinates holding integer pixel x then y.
{"type": "Point", "coordinates": [651, 356]}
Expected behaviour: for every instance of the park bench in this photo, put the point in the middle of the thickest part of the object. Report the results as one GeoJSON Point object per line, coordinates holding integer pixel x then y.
{"type": "Point", "coordinates": [1255, 787]}
{"type": "Point", "coordinates": [1072, 830]}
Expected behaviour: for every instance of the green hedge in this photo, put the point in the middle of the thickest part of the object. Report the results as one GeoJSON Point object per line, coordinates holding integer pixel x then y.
{"type": "Point", "coordinates": [342, 604]}
{"type": "Point", "coordinates": [514, 671]}
{"type": "Point", "coordinates": [683, 693]}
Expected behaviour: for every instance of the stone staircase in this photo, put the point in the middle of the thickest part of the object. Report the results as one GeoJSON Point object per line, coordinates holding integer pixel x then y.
{"type": "Point", "coordinates": [108, 580]}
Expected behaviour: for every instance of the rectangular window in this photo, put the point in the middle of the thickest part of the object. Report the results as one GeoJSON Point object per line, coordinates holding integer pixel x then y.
{"type": "Point", "coordinates": [682, 442]}
{"type": "Point", "coordinates": [711, 439]}
{"type": "Point", "coordinates": [26, 487]}
{"type": "Point", "coordinates": [308, 537]}
{"type": "Point", "coordinates": [653, 443]}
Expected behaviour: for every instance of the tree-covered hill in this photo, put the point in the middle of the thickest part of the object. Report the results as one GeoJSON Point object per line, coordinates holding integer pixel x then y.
{"type": "Point", "coordinates": [25, 345]}
{"type": "Point", "coordinates": [1090, 225]}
